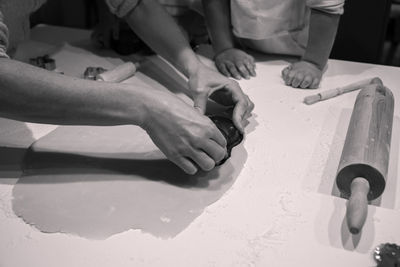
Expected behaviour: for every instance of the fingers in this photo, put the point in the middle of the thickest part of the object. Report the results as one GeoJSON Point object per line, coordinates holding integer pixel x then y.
{"type": "Point", "coordinates": [204, 157]}
{"type": "Point", "coordinates": [236, 66]}
{"type": "Point", "coordinates": [243, 70]}
{"type": "Point", "coordinates": [218, 137]}
{"type": "Point", "coordinates": [222, 68]}
{"type": "Point", "coordinates": [205, 162]}
{"type": "Point", "coordinates": [289, 78]}
{"type": "Point", "coordinates": [307, 81]}
{"type": "Point", "coordinates": [302, 74]}
{"type": "Point", "coordinates": [297, 79]}
{"type": "Point", "coordinates": [232, 70]}
{"type": "Point", "coordinates": [243, 106]}
{"type": "Point", "coordinates": [214, 150]}
{"type": "Point", "coordinates": [251, 66]}
{"type": "Point", "coordinates": [285, 72]}
{"type": "Point", "coordinates": [315, 83]}
{"type": "Point", "coordinates": [186, 165]}
{"type": "Point", "coordinates": [241, 113]}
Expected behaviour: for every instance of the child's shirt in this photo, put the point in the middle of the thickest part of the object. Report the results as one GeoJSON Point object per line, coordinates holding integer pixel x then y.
{"type": "Point", "coordinates": [277, 26]}
{"type": "Point", "coordinates": [14, 20]}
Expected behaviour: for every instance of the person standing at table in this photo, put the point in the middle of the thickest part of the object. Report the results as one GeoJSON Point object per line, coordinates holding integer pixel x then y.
{"type": "Point", "coordinates": [182, 132]}
{"type": "Point", "coordinates": [305, 28]}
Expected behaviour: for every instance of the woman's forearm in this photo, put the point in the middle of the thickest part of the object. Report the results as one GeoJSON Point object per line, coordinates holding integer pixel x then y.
{"type": "Point", "coordinates": [29, 93]}
{"type": "Point", "coordinates": [157, 28]}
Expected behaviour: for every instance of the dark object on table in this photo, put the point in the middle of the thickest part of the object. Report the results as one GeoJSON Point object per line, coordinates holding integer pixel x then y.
{"type": "Point", "coordinates": [229, 131]}
{"type": "Point", "coordinates": [129, 43]}
{"type": "Point", "coordinates": [91, 72]}
{"type": "Point", "coordinates": [387, 255]}
{"type": "Point", "coordinates": [44, 62]}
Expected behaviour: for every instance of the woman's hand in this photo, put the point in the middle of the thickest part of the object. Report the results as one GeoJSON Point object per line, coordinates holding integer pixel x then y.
{"type": "Point", "coordinates": [205, 83]}
{"type": "Point", "coordinates": [186, 137]}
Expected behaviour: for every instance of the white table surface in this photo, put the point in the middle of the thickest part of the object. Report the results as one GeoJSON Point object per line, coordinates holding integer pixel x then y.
{"type": "Point", "coordinates": [282, 210]}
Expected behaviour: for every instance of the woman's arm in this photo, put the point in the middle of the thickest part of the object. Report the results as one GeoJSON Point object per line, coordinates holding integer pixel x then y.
{"type": "Point", "coordinates": [29, 93]}
{"type": "Point", "coordinates": [158, 29]}
{"type": "Point", "coordinates": [186, 137]}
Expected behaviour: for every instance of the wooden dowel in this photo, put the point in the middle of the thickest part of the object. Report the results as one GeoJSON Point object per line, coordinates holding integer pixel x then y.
{"type": "Point", "coordinates": [119, 73]}
{"type": "Point", "coordinates": [309, 100]}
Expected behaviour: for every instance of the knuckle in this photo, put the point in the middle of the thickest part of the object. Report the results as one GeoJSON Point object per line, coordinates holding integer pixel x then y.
{"type": "Point", "coordinates": [242, 68]}
{"type": "Point", "coordinates": [228, 64]}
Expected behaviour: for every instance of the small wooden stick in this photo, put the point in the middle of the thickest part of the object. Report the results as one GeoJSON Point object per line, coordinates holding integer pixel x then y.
{"type": "Point", "coordinates": [357, 207]}
{"type": "Point", "coordinates": [119, 73]}
{"type": "Point", "coordinates": [309, 100]}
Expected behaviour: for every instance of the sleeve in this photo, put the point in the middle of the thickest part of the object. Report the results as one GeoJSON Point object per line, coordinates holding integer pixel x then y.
{"type": "Point", "coordinates": [121, 7]}
{"type": "Point", "coordinates": [3, 37]}
{"type": "Point", "coordinates": [328, 6]}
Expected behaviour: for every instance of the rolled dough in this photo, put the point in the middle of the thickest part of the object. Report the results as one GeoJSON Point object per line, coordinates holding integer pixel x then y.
{"type": "Point", "coordinates": [98, 181]}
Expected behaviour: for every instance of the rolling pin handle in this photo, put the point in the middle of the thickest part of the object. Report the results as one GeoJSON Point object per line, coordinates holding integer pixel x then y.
{"type": "Point", "coordinates": [357, 207]}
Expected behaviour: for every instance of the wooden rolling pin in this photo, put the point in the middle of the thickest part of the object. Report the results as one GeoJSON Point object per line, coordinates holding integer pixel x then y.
{"type": "Point", "coordinates": [309, 100]}
{"type": "Point", "coordinates": [365, 157]}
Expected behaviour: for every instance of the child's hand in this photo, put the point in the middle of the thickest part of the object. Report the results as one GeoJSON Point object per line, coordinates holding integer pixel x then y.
{"type": "Point", "coordinates": [235, 63]}
{"type": "Point", "coordinates": [302, 74]}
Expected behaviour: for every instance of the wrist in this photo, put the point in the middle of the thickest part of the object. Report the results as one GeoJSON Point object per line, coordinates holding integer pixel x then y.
{"type": "Point", "coordinates": [222, 50]}
{"type": "Point", "coordinates": [187, 63]}
{"type": "Point", "coordinates": [218, 49]}
{"type": "Point", "coordinates": [320, 64]}
{"type": "Point", "coordinates": [137, 104]}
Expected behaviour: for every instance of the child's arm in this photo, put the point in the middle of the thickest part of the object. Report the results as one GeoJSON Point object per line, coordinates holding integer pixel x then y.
{"type": "Point", "coordinates": [229, 60]}
{"type": "Point", "coordinates": [307, 72]}
{"type": "Point", "coordinates": [157, 28]}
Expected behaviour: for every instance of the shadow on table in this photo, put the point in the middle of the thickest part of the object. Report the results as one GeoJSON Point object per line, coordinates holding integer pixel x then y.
{"type": "Point", "coordinates": [15, 138]}
{"type": "Point", "coordinates": [340, 236]}
{"type": "Point", "coordinates": [96, 197]}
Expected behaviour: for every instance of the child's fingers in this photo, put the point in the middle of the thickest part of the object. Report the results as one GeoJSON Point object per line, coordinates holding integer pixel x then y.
{"type": "Point", "coordinates": [306, 81]}
{"type": "Point", "coordinates": [250, 68]}
{"type": "Point", "coordinates": [285, 72]}
{"type": "Point", "coordinates": [251, 61]}
{"type": "Point", "coordinates": [233, 71]}
{"type": "Point", "coordinates": [314, 84]}
{"type": "Point", "coordinates": [289, 77]}
{"type": "Point", "coordinates": [222, 68]}
{"type": "Point", "coordinates": [243, 70]}
{"type": "Point", "coordinates": [298, 79]}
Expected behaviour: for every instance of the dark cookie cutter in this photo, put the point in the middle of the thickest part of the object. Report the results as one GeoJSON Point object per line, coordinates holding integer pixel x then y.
{"type": "Point", "coordinates": [44, 62]}
{"type": "Point", "coordinates": [387, 255]}
{"type": "Point", "coordinates": [91, 72]}
{"type": "Point", "coordinates": [229, 131]}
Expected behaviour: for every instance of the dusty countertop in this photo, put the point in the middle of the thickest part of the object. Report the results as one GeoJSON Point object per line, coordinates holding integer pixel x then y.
{"type": "Point", "coordinates": [282, 208]}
